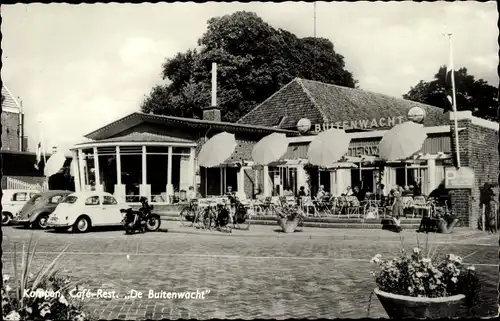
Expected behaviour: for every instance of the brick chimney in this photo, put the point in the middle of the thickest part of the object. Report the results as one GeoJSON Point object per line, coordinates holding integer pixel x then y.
{"type": "Point", "coordinates": [212, 113]}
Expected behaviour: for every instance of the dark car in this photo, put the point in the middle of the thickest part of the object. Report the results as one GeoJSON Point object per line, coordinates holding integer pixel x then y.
{"type": "Point", "coordinates": [37, 210]}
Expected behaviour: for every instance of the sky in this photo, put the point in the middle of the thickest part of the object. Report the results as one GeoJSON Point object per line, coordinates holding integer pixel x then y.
{"type": "Point", "coordinates": [77, 68]}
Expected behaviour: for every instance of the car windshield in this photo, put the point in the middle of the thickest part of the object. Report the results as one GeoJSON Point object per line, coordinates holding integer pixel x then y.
{"type": "Point", "coordinates": [70, 199]}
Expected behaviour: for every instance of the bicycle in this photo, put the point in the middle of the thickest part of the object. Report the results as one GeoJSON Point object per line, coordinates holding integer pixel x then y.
{"type": "Point", "coordinates": [189, 213]}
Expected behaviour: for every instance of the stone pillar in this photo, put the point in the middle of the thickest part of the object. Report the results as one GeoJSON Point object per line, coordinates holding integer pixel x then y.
{"type": "Point", "coordinates": [76, 174]}
{"type": "Point", "coordinates": [82, 170]}
{"type": "Point", "coordinates": [120, 192]}
{"type": "Point", "coordinates": [266, 181]}
{"type": "Point", "coordinates": [97, 172]}
{"type": "Point", "coordinates": [431, 172]}
{"type": "Point", "coordinates": [241, 184]}
{"type": "Point", "coordinates": [145, 188]}
{"type": "Point", "coordinates": [192, 168]}
{"type": "Point", "coordinates": [170, 187]}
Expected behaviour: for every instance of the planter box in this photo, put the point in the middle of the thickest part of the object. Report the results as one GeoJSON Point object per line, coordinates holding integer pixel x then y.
{"type": "Point", "coordinates": [288, 226]}
{"type": "Point", "coordinates": [401, 306]}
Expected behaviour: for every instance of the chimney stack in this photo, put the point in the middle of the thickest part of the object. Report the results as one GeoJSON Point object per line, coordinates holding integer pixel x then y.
{"type": "Point", "coordinates": [212, 113]}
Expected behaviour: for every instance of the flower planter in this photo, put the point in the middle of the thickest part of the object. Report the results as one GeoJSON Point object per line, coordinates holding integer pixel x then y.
{"type": "Point", "coordinates": [401, 306]}
{"type": "Point", "coordinates": [288, 226]}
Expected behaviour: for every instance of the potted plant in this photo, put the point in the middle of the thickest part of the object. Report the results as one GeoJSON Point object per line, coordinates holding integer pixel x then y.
{"type": "Point", "coordinates": [416, 286]}
{"type": "Point", "coordinates": [289, 217]}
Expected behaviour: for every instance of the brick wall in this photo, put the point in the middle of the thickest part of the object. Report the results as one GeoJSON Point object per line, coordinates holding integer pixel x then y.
{"type": "Point", "coordinates": [478, 150]}
{"type": "Point", "coordinates": [10, 135]}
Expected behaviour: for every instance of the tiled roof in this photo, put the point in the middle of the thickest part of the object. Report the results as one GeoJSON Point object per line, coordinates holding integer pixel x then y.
{"type": "Point", "coordinates": [146, 137]}
{"type": "Point", "coordinates": [9, 103]}
{"type": "Point", "coordinates": [136, 118]}
{"type": "Point", "coordinates": [327, 103]}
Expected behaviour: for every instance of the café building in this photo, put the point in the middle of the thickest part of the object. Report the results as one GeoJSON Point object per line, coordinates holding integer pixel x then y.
{"type": "Point", "coordinates": [156, 156]}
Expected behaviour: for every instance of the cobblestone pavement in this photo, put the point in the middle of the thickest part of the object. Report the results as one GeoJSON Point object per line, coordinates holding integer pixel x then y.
{"type": "Point", "coordinates": [292, 276]}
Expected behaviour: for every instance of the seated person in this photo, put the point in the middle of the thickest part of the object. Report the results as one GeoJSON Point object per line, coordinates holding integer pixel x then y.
{"type": "Point", "coordinates": [348, 191]}
{"type": "Point", "coordinates": [190, 195]}
{"type": "Point", "coordinates": [258, 193]}
{"type": "Point", "coordinates": [321, 192]}
{"type": "Point", "coordinates": [407, 191]}
{"type": "Point", "coordinates": [302, 191]}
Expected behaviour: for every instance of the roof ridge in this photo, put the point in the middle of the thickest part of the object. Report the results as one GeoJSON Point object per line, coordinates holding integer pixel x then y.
{"type": "Point", "coordinates": [370, 92]}
{"type": "Point", "coordinates": [262, 103]}
{"type": "Point", "coordinates": [311, 98]}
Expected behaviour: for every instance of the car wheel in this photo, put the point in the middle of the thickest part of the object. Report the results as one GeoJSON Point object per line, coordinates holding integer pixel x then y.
{"type": "Point", "coordinates": [81, 225]}
{"type": "Point", "coordinates": [6, 218]}
{"type": "Point", "coordinates": [41, 221]}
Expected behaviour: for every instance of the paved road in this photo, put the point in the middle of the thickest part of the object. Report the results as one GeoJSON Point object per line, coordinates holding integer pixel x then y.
{"type": "Point", "coordinates": [308, 275]}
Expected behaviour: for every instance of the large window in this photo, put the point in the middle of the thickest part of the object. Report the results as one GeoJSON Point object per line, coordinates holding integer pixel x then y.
{"type": "Point", "coordinates": [131, 163]}
{"type": "Point", "coordinates": [216, 180]}
{"type": "Point", "coordinates": [364, 179]}
{"type": "Point", "coordinates": [411, 173]}
{"type": "Point", "coordinates": [157, 172]}
{"type": "Point", "coordinates": [181, 172]}
{"type": "Point", "coordinates": [107, 168]}
{"type": "Point", "coordinates": [283, 180]}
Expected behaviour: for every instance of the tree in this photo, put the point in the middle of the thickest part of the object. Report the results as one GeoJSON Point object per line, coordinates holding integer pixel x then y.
{"type": "Point", "coordinates": [254, 61]}
{"type": "Point", "coordinates": [472, 94]}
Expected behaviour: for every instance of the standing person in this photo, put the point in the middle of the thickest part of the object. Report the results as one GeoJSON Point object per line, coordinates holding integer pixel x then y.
{"type": "Point", "coordinates": [417, 187]}
{"type": "Point", "coordinates": [486, 198]}
{"type": "Point", "coordinates": [302, 191]}
{"type": "Point", "coordinates": [380, 193]}
{"type": "Point", "coordinates": [397, 206]}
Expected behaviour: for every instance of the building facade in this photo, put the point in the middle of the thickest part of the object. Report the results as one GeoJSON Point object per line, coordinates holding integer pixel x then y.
{"type": "Point", "coordinates": [13, 138]}
{"type": "Point", "coordinates": [156, 156]}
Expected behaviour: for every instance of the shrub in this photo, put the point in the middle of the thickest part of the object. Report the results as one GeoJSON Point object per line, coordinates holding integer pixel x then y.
{"type": "Point", "coordinates": [39, 296]}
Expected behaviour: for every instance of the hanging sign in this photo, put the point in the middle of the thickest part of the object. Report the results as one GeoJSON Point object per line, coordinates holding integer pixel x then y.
{"type": "Point", "coordinates": [463, 178]}
{"type": "Point", "coordinates": [369, 150]}
{"type": "Point", "coordinates": [382, 122]}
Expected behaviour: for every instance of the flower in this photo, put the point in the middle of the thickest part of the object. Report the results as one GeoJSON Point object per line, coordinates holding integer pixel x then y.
{"type": "Point", "coordinates": [29, 310]}
{"type": "Point", "coordinates": [6, 277]}
{"type": "Point", "coordinates": [7, 288]}
{"type": "Point", "coordinates": [45, 311]}
{"type": "Point", "coordinates": [416, 250]}
{"type": "Point", "coordinates": [426, 260]}
{"type": "Point", "coordinates": [419, 274]}
{"type": "Point", "coordinates": [376, 259]}
{"type": "Point", "coordinates": [471, 268]}
{"type": "Point", "coordinates": [454, 280]}
{"type": "Point", "coordinates": [13, 315]}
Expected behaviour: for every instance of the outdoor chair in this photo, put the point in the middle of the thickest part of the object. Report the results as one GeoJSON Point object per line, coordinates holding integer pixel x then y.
{"type": "Point", "coordinates": [421, 205]}
{"type": "Point", "coordinates": [307, 204]}
{"type": "Point", "coordinates": [355, 207]}
{"type": "Point", "coordinates": [266, 205]}
{"type": "Point", "coordinates": [323, 205]}
{"type": "Point", "coordinates": [407, 203]}
{"type": "Point", "coordinates": [335, 205]}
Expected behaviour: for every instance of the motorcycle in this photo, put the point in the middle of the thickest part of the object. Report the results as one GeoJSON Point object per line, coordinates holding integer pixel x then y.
{"type": "Point", "coordinates": [142, 220]}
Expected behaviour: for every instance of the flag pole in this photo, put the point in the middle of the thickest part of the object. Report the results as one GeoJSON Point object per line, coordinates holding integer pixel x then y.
{"type": "Point", "coordinates": [454, 102]}
{"type": "Point", "coordinates": [43, 153]}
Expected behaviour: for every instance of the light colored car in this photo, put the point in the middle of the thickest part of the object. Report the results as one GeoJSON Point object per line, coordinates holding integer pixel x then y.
{"type": "Point", "coordinates": [82, 210]}
{"type": "Point", "coordinates": [13, 201]}
{"type": "Point", "coordinates": [37, 210]}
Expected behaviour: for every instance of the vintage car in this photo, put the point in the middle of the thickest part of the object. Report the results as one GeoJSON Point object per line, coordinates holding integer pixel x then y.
{"type": "Point", "coordinates": [13, 201]}
{"type": "Point", "coordinates": [37, 210]}
{"type": "Point", "coordinates": [82, 210]}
